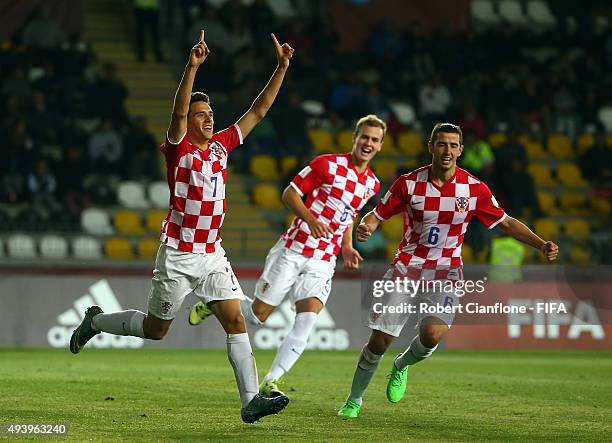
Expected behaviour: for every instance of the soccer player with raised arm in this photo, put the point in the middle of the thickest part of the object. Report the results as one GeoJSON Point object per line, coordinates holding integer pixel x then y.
{"type": "Point", "coordinates": [437, 201]}
{"type": "Point", "coordinates": [191, 258]}
{"type": "Point", "coordinates": [301, 264]}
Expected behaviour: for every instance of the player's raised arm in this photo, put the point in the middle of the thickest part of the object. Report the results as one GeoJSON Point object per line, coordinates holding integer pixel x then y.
{"type": "Point", "coordinates": [368, 225]}
{"type": "Point", "coordinates": [521, 232]}
{"type": "Point", "coordinates": [266, 97]}
{"type": "Point", "coordinates": [178, 120]}
{"type": "Point", "coordinates": [294, 202]}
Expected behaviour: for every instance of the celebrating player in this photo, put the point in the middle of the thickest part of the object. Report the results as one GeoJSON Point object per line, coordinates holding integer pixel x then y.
{"type": "Point", "coordinates": [438, 201]}
{"type": "Point", "coordinates": [190, 258]}
{"type": "Point", "coordinates": [302, 262]}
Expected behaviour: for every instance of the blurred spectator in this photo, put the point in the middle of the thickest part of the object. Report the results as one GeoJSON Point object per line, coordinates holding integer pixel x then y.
{"type": "Point", "coordinates": [508, 151]}
{"type": "Point", "coordinates": [477, 156]}
{"type": "Point", "coordinates": [71, 172]}
{"type": "Point", "coordinates": [290, 122]}
{"type": "Point", "coordinates": [105, 150]}
{"type": "Point", "coordinates": [107, 94]}
{"type": "Point", "coordinates": [261, 21]}
{"type": "Point", "coordinates": [473, 122]}
{"type": "Point", "coordinates": [434, 101]}
{"type": "Point", "coordinates": [596, 164]}
{"type": "Point", "coordinates": [17, 85]}
{"type": "Point", "coordinates": [42, 187]}
{"type": "Point", "coordinates": [516, 187]}
{"type": "Point", "coordinates": [42, 31]}
{"type": "Point", "coordinates": [208, 19]}
{"type": "Point", "coordinates": [144, 159]}
{"type": "Point", "coordinates": [565, 118]}
{"type": "Point", "coordinates": [238, 36]}
{"type": "Point", "coordinates": [44, 123]}
{"type": "Point", "coordinates": [147, 20]}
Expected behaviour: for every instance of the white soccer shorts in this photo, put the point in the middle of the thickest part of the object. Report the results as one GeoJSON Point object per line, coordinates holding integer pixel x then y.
{"type": "Point", "coordinates": [208, 276]}
{"type": "Point", "coordinates": [289, 273]}
{"type": "Point", "coordinates": [426, 304]}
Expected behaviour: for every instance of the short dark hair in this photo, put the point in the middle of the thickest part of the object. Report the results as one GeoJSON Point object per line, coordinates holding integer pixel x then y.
{"type": "Point", "coordinates": [446, 127]}
{"type": "Point", "coordinates": [199, 97]}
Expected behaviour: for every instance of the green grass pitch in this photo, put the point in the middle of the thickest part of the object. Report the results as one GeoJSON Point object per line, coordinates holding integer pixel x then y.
{"type": "Point", "coordinates": [170, 395]}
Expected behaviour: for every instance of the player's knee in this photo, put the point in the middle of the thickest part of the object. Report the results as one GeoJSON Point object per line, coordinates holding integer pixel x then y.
{"type": "Point", "coordinates": [432, 335]}
{"type": "Point", "coordinates": [155, 333]}
{"type": "Point", "coordinates": [379, 343]}
{"type": "Point", "coordinates": [262, 312]}
{"type": "Point", "coordinates": [234, 323]}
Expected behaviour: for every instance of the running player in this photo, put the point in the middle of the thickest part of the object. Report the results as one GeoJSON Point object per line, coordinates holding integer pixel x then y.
{"type": "Point", "coordinates": [191, 258]}
{"type": "Point", "coordinates": [437, 201]}
{"type": "Point", "coordinates": [301, 264]}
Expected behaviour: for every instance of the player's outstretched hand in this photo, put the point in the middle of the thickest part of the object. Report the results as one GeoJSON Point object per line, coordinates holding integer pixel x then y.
{"type": "Point", "coordinates": [199, 52]}
{"type": "Point", "coordinates": [364, 231]}
{"type": "Point", "coordinates": [318, 230]}
{"type": "Point", "coordinates": [550, 251]}
{"type": "Point", "coordinates": [351, 257]}
{"type": "Point", "coordinates": [283, 53]}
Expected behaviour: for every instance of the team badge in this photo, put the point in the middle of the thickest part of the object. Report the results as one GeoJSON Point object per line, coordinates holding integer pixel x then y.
{"type": "Point", "coordinates": [462, 204]}
{"type": "Point", "coordinates": [265, 287]}
{"type": "Point", "coordinates": [217, 150]}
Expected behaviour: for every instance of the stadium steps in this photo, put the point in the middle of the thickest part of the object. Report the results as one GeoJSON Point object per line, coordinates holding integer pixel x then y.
{"type": "Point", "coordinates": [151, 85]}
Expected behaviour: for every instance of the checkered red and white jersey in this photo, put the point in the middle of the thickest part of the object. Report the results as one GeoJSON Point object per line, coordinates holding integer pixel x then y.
{"type": "Point", "coordinates": [436, 218]}
{"type": "Point", "coordinates": [196, 180]}
{"type": "Point", "coordinates": [336, 192]}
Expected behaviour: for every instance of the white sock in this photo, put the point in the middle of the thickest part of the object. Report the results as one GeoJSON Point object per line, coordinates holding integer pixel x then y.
{"type": "Point", "coordinates": [241, 357]}
{"type": "Point", "coordinates": [247, 311]}
{"type": "Point", "coordinates": [414, 354]}
{"type": "Point", "coordinates": [120, 323]}
{"type": "Point", "coordinates": [292, 346]}
{"type": "Point", "coordinates": [366, 367]}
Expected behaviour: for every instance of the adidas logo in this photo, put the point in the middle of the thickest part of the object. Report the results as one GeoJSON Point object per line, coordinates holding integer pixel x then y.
{"type": "Point", "coordinates": [324, 335]}
{"type": "Point", "coordinates": [101, 294]}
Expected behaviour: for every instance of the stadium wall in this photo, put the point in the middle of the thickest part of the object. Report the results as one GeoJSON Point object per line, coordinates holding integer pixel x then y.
{"type": "Point", "coordinates": [40, 309]}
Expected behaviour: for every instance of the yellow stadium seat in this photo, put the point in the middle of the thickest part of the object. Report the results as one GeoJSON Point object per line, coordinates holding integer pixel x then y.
{"type": "Point", "coordinates": [264, 167]}
{"type": "Point", "coordinates": [467, 254]}
{"type": "Point", "coordinates": [345, 140]}
{"type": "Point", "coordinates": [529, 255]}
{"type": "Point", "coordinates": [547, 203]}
{"type": "Point", "coordinates": [533, 147]}
{"type": "Point", "coordinates": [393, 229]}
{"type": "Point", "coordinates": [600, 205]}
{"type": "Point", "coordinates": [573, 203]}
{"type": "Point", "coordinates": [385, 169]}
{"type": "Point", "coordinates": [127, 221]}
{"type": "Point", "coordinates": [147, 248]}
{"type": "Point", "coordinates": [154, 219]}
{"type": "Point", "coordinates": [118, 248]}
{"type": "Point", "coordinates": [389, 147]}
{"type": "Point", "coordinates": [569, 174]}
{"type": "Point", "coordinates": [497, 138]}
{"type": "Point", "coordinates": [411, 164]}
{"type": "Point", "coordinates": [411, 143]}
{"type": "Point", "coordinates": [560, 146]}
{"type": "Point", "coordinates": [584, 142]}
{"type": "Point", "coordinates": [321, 139]}
{"type": "Point", "coordinates": [577, 229]}
{"type": "Point", "coordinates": [267, 196]}
{"type": "Point", "coordinates": [542, 175]}
{"type": "Point", "coordinates": [580, 255]}
{"type": "Point", "coordinates": [391, 249]}
{"type": "Point", "coordinates": [288, 164]}
{"type": "Point", "coordinates": [547, 228]}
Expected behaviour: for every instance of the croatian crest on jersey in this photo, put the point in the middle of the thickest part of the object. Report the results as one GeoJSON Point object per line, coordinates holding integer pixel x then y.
{"type": "Point", "coordinates": [462, 204]}
{"type": "Point", "coordinates": [217, 150]}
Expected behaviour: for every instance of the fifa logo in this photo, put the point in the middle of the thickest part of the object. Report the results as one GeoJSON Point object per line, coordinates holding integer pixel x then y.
{"type": "Point", "coordinates": [462, 204]}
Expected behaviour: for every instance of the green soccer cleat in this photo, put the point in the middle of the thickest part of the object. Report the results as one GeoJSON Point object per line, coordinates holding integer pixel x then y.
{"type": "Point", "coordinates": [270, 389]}
{"type": "Point", "coordinates": [350, 409]}
{"type": "Point", "coordinates": [84, 332]}
{"type": "Point", "coordinates": [396, 387]}
{"type": "Point", "coordinates": [260, 406]}
{"type": "Point", "coordinates": [199, 312]}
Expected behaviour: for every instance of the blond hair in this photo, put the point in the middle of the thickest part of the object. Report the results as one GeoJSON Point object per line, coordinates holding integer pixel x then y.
{"type": "Point", "coordinates": [371, 120]}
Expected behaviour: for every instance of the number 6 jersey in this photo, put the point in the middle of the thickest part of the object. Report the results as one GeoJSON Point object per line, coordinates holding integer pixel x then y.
{"type": "Point", "coordinates": [436, 218]}
{"type": "Point", "coordinates": [196, 180]}
{"type": "Point", "coordinates": [335, 193]}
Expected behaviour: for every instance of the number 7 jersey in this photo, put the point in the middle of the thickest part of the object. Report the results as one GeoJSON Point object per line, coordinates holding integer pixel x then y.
{"type": "Point", "coordinates": [436, 218]}
{"type": "Point", "coordinates": [335, 193]}
{"type": "Point", "coordinates": [196, 180]}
